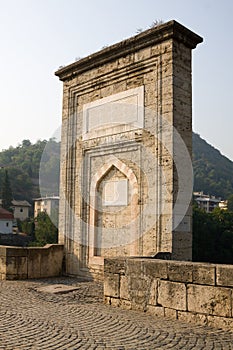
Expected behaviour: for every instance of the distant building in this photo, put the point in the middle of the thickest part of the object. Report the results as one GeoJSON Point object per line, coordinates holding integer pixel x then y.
{"type": "Point", "coordinates": [6, 221]}
{"type": "Point", "coordinates": [46, 204]}
{"type": "Point", "coordinates": [223, 205]}
{"type": "Point", "coordinates": [206, 202]}
{"type": "Point", "coordinates": [20, 209]}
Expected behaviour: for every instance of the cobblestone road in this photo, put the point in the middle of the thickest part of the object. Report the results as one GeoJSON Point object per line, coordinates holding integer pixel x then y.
{"type": "Point", "coordinates": [30, 319]}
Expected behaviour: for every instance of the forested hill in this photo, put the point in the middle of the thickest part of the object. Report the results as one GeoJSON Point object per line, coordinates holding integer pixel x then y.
{"type": "Point", "coordinates": [27, 163]}
{"type": "Point", "coordinates": [213, 173]}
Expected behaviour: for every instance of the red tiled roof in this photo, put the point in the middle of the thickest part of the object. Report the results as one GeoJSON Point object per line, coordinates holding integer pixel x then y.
{"type": "Point", "coordinates": [5, 214]}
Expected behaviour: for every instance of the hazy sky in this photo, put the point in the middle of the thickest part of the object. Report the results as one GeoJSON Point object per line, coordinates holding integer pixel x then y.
{"type": "Point", "coordinates": [38, 36]}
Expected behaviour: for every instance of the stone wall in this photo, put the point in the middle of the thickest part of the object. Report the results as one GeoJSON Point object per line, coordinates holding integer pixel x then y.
{"type": "Point", "coordinates": [195, 292]}
{"type": "Point", "coordinates": [26, 263]}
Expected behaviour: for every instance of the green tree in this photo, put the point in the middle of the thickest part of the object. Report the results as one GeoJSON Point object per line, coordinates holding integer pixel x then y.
{"type": "Point", "coordinates": [25, 162]}
{"type": "Point", "coordinates": [28, 227]}
{"type": "Point", "coordinates": [213, 236]}
{"type": "Point", "coordinates": [230, 203]}
{"type": "Point", "coordinates": [6, 192]}
{"type": "Point", "coordinates": [45, 230]}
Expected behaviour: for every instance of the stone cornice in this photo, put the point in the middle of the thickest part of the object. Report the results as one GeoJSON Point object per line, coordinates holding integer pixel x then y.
{"type": "Point", "coordinates": [156, 35]}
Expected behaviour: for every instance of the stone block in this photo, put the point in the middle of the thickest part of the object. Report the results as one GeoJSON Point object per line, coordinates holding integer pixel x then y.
{"type": "Point", "coordinates": [116, 265]}
{"type": "Point", "coordinates": [16, 251]}
{"type": "Point", "coordinates": [153, 292]}
{"type": "Point", "coordinates": [34, 263]}
{"type": "Point", "coordinates": [179, 271]}
{"type": "Point", "coordinates": [182, 246]}
{"type": "Point", "coordinates": [2, 276]}
{"type": "Point", "coordinates": [124, 287]}
{"type": "Point", "coordinates": [2, 264]}
{"type": "Point", "coordinates": [192, 317]}
{"type": "Point", "coordinates": [154, 268]}
{"type": "Point", "coordinates": [125, 304]}
{"type": "Point", "coordinates": [11, 265]}
{"type": "Point", "coordinates": [3, 251]}
{"type": "Point", "coordinates": [134, 267]}
{"type": "Point", "coordinates": [22, 266]}
{"type": "Point", "coordinates": [112, 285]}
{"type": "Point", "coordinates": [209, 300]}
{"type": "Point", "coordinates": [157, 311]}
{"type": "Point", "coordinates": [115, 302]}
{"type": "Point", "coordinates": [204, 274]}
{"type": "Point", "coordinates": [139, 291]}
{"type": "Point", "coordinates": [51, 260]}
{"type": "Point", "coordinates": [224, 275]}
{"type": "Point", "coordinates": [172, 295]}
{"type": "Point", "coordinates": [170, 313]}
{"type": "Point", "coordinates": [220, 322]}
{"type": "Point", "coordinates": [12, 277]}
{"type": "Point", "coordinates": [138, 284]}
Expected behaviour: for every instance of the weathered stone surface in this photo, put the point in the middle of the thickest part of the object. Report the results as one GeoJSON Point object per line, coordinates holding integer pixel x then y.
{"type": "Point", "coordinates": [179, 271]}
{"type": "Point", "coordinates": [224, 274]}
{"type": "Point", "coordinates": [153, 292]}
{"type": "Point", "coordinates": [192, 317]}
{"type": "Point", "coordinates": [124, 288]}
{"type": "Point", "coordinates": [204, 274]}
{"type": "Point", "coordinates": [172, 295]}
{"type": "Point", "coordinates": [115, 302]}
{"type": "Point", "coordinates": [194, 302]}
{"type": "Point", "coordinates": [23, 263]}
{"type": "Point", "coordinates": [112, 285]}
{"type": "Point", "coordinates": [125, 304]}
{"type": "Point", "coordinates": [157, 311]}
{"type": "Point", "coordinates": [34, 263]}
{"type": "Point", "coordinates": [3, 264]}
{"type": "Point", "coordinates": [114, 266]}
{"type": "Point", "coordinates": [134, 268]}
{"type": "Point", "coordinates": [209, 300]}
{"type": "Point", "coordinates": [16, 251]}
{"type": "Point", "coordinates": [170, 313]}
{"type": "Point", "coordinates": [220, 322]}
{"type": "Point", "coordinates": [155, 268]}
{"type": "Point", "coordinates": [113, 97]}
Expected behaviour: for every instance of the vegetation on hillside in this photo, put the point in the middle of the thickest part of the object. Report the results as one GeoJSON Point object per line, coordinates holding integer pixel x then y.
{"type": "Point", "coordinates": [213, 173]}
{"type": "Point", "coordinates": [6, 193]}
{"type": "Point", "coordinates": [27, 163]}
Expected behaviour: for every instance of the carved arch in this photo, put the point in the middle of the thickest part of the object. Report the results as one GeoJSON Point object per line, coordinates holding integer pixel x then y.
{"type": "Point", "coordinates": [97, 178]}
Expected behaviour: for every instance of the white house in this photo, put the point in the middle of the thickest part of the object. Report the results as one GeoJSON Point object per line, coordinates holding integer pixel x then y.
{"type": "Point", "coordinates": [6, 221]}
{"type": "Point", "coordinates": [20, 209]}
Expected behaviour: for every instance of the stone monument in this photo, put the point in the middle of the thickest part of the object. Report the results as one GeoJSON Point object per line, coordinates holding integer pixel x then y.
{"type": "Point", "coordinates": [126, 171]}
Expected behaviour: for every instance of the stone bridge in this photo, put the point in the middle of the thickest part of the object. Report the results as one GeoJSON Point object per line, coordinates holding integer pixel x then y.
{"type": "Point", "coordinates": [34, 319]}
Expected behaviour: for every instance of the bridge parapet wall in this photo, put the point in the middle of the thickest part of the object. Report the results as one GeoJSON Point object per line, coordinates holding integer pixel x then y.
{"type": "Point", "coordinates": [32, 262]}
{"type": "Point", "coordinates": [193, 292]}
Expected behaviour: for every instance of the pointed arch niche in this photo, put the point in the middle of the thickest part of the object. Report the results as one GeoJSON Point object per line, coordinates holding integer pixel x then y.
{"type": "Point", "coordinates": [113, 216]}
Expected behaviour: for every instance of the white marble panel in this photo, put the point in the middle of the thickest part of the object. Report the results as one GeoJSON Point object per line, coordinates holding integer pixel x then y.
{"type": "Point", "coordinates": [119, 112]}
{"type": "Point", "coordinates": [115, 192]}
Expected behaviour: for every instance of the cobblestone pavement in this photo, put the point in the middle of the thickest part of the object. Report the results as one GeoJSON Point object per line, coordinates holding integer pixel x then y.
{"type": "Point", "coordinates": [30, 319]}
